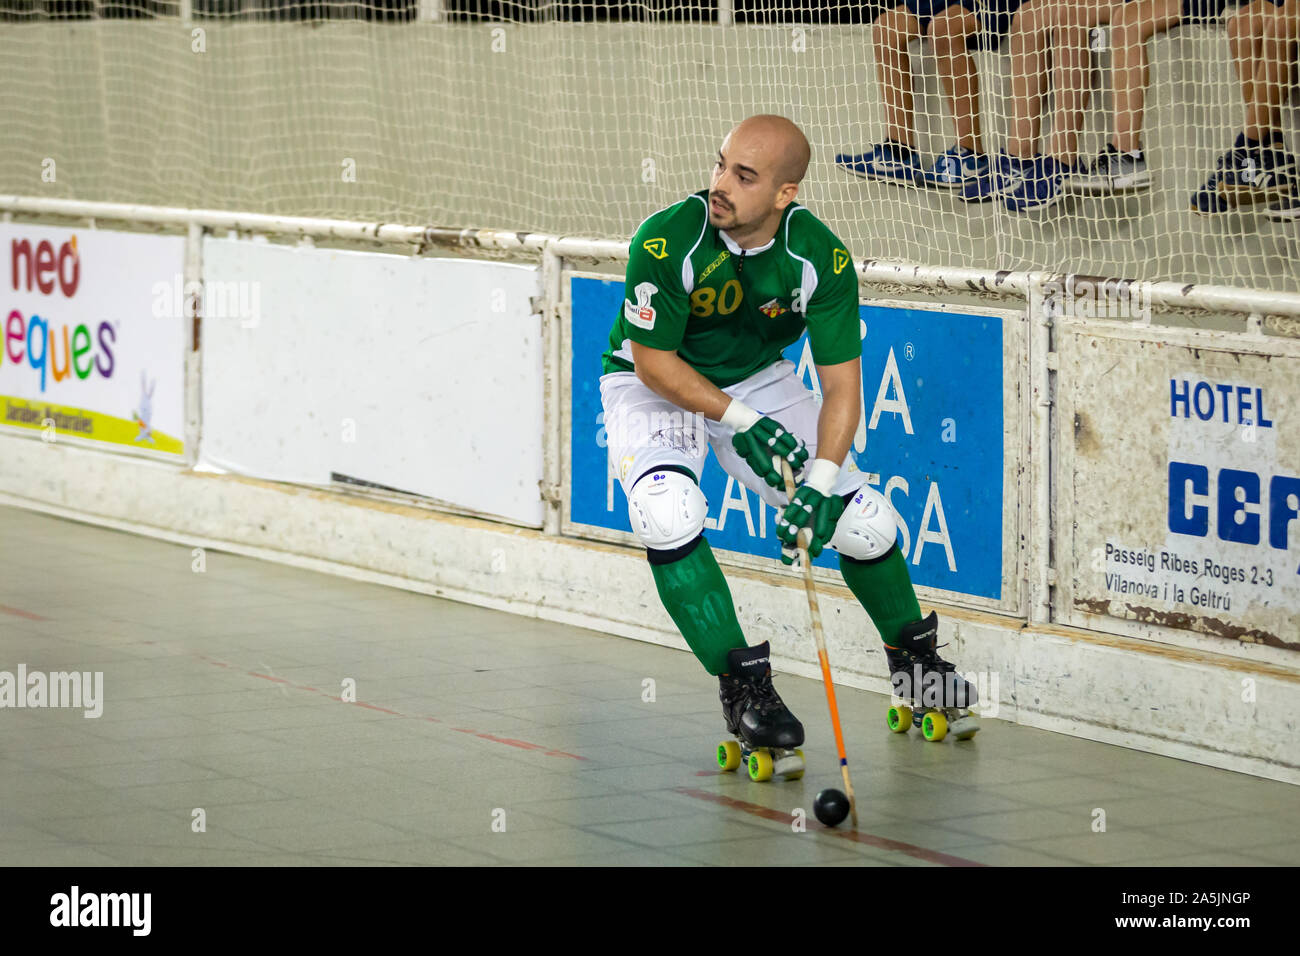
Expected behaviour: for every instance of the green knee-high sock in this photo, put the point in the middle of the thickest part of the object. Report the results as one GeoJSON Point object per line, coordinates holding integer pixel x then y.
{"type": "Point", "coordinates": [884, 588]}
{"type": "Point", "coordinates": [697, 598]}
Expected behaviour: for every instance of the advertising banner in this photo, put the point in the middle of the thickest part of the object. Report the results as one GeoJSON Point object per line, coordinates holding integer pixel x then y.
{"type": "Point", "coordinates": [93, 337]}
{"type": "Point", "coordinates": [1181, 482]}
{"type": "Point", "coordinates": [937, 420]}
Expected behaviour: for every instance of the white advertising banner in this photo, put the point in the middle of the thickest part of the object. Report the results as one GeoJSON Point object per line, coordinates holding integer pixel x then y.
{"type": "Point", "coordinates": [93, 338]}
{"type": "Point", "coordinates": [415, 375]}
{"type": "Point", "coordinates": [1180, 481]}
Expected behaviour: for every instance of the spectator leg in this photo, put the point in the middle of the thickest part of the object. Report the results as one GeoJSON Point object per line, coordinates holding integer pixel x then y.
{"type": "Point", "coordinates": [1273, 79]}
{"type": "Point", "coordinates": [1072, 70]}
{"type": "Point", "coordinates": [1072, 83]}
{"type": "Point", "coordinates": [1132, 26]}
{"type": "Point", "coordinates": [948, 34]}
{"type": "Point", "coordinates": [1246, 40]}
{"type": "Point", "coordinates": [890, 37]}
{"type": "Point", "coordinates": [1028, 43]}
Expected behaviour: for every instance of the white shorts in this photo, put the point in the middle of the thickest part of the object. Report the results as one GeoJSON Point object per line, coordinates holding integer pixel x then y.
{"type": "Point", "coordinates": [645, 431]}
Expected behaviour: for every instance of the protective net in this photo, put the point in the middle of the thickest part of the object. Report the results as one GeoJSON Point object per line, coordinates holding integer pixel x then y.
{"type": "Point", "coordinates": [582, 118]}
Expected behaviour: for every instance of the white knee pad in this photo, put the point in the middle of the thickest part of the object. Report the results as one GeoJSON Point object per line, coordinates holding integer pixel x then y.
{"type": "Point", "coordinates": [868, 528]}
{"type": "Point", "coordinates": [667, 509]}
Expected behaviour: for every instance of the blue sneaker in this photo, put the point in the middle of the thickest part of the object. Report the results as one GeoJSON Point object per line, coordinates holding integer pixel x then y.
{"type": "Point", "coordinates": [982, 180]}
{"type": "Point", "coordinates": [1261, 175]}
{"type": "Point", "coordinates": [1009, 172]}
{"type": "Point", "coordinates": [889, 161]}
{"type": "Point", "coordinates": [1208, 200]}
{"type": "Point", "coordinates": [1043, 184]}
{"type": "Point", "coordinates": [953, 168]}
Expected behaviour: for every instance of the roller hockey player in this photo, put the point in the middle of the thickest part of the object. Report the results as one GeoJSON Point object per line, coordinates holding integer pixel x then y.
{"type": "Point", "coordinates": [717, 286]}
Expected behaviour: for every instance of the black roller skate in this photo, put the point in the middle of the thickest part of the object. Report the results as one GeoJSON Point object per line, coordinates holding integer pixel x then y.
{"type": "Point", "coordinates": [937, 694]}
{"type": "Point", "coordinates": [767, 734]}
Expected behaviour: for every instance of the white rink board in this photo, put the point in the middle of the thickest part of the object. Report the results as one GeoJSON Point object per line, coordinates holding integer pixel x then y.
{"type": "Point", "coordinates": [1178, 488]}
{"type": "Point", "coordinates": [418, 375]}
{"type": "Point", "coordinates": [92, 331]}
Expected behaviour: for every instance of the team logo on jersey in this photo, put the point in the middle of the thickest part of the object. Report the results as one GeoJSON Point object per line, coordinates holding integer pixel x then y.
{"type": "Point", "coordinates": [656, 247]}
{"type": "Point", "coordinates": [772, 309]}
{"type": "Point", "coordinates": [841, 259]}
{"type": "Point", "coordinates": [642, 314]}
{"type": "Point", "coordinates": [722, 257]}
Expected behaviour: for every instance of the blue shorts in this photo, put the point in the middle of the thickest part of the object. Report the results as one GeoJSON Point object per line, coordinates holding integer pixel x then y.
{"type": "Point", "coordinates": [1210, 11]}
{"type": "Point", "coordinates": [994, 17]}
{"type": "Point", "coordinates": [1202, 11]}
{"type": "Point", "coordinates": [927, 10]}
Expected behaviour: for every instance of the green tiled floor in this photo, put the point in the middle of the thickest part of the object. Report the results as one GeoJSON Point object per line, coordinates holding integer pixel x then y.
{"type": "Point", "coordinates": [484, 738]}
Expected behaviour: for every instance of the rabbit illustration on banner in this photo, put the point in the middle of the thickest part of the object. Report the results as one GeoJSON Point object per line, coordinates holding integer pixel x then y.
{"type": "Point", "coordinates": [145, 413]}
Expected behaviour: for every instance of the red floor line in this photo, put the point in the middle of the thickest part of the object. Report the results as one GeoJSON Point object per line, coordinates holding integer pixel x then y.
{"type": "Point", "coordinates": [856, 836]}
{"type": "Point", "coordinates": [19, 612]}
{"type": "Point", "coordinates": [527, 746]}
{"type": "Point", "coordinates": [277, 680]}
{"type": "Point", "coordinates": [382, 710]}
{"type": "Point", "coordinates": [508, 741]}
{"type": "Point", "coordinates": [511, 742]}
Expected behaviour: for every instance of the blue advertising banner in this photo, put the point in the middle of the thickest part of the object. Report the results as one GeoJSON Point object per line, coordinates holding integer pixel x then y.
{"type": "Point", "coordinates": [931, 440]}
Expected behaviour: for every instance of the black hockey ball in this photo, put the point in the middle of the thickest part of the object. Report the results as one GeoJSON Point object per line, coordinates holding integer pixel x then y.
{"type": "Point", "coordinates": [831, 807]}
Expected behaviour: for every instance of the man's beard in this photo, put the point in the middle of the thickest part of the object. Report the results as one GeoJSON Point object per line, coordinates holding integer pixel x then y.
{"type": "Point", "coordinates": [726, 219]}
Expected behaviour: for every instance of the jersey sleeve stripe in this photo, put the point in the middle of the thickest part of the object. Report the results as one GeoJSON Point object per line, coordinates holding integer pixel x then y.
{"type": "Point", "coordinates": [688, 270]}
{"type": "Point", "coordinates": [809, 277]}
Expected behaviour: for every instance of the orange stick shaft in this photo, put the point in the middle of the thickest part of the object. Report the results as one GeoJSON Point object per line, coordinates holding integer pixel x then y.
{"type": "Point", "coordinates": [830, 699]}
{"type": "Point", "coordinates": [815, 611]}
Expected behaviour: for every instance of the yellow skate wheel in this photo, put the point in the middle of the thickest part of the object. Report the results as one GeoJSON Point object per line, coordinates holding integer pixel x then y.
{"type": "Point", "coordinates": [729, 755]}
{"type": "Point", "coordinates": [760, 766]}
{"type": "Point", "coordinates": [934, 726]}
{"type": "Point", "coordinates": [900, 719]}
{"type": "Point", "coordinates": [798, 774]}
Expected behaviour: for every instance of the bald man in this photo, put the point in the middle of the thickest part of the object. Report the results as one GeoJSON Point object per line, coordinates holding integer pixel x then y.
{"type": "Point", "coordinates": [718, 285]}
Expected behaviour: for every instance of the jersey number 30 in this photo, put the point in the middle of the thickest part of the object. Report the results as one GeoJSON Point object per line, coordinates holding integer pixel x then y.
{"type": "Point", "coordinates": [727, 301]}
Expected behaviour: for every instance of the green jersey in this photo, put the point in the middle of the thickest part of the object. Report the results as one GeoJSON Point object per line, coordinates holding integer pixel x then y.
{"type": "Point", "coordinates": [729, 312]}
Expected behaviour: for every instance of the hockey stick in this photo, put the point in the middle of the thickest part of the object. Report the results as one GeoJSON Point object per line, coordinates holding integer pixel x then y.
{"type": "Point", "coordinates": [815, 609]}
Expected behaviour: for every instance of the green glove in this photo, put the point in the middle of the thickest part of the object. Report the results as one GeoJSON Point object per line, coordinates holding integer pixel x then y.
{"type": "Point", "coordinates": [814, 506]}
{"type": "Point", "coordinates": [759, 440]}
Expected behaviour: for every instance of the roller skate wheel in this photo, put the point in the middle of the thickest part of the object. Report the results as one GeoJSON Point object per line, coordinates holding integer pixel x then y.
{"type": "Point", "coordinates": [760, 766]}
{"type": "Point", "coordinates": [729, 757]}
{"type": "Point", "coordinates": [934, 726]}
{"type": "Point", "coordinates": [899, 719]}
